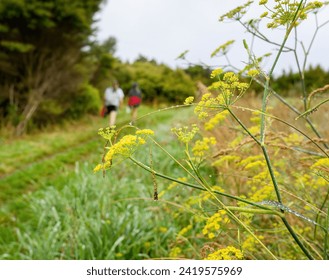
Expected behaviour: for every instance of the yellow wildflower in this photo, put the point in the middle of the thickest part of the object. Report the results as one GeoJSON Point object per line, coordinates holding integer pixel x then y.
{"type": "Point", "coordinates": [218, 118]}
{"type": "Point", "coordinates": [201, 146]}
{"type": "Point", "coordinates": [107, 133]}
{"type": "Point", "coordinates": [250, 244]}
{"type": "Point", "coordinates": [261, 194]}
{"type": "Point", "coordinates": [145, 132]}
{"type": "Point", "coordinates": [253, 72]}
{"type": "Point", "coordinates": [163, 229]}
{"type": "Point", "coordinates": [174, 252]}
{"type": "Point", "coordinates": [254, 165]}
{"type": "Point", "coordinates": [189, 100]}
{"type": "Point", "coordinates": [214, 223]}
{"type": "Point", "coordinates": [98, 167]}
{"type": "Point", "coordinates": [184, 230]}
{"type": "Point", "coordinates": [215, 73]}
{"type": "Point", "coordinates": [322, 163]}
{"type": "Point", "coordinates": [262, 16]}
{"type": "Point", "coordinates": [184, 134]}
{"type": "Point", "coordinates": [228, 253]}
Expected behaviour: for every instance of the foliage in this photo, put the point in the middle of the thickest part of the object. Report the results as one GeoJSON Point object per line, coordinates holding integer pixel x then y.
{"type": "Point", "coordinates": [248, 165]}
{"type": "Point", "coordinates": [53, 207]}
{"type": "Point", "coordinates": [290, 85]}
{"type": "Point", "coordinates": [87, 100]}
{"type": "Point", "coordinates": [199, 73]}
{"type": "Point", "coordinates": [40, 45]}
{"type": "Point", "coordinates": [158, 82]}
{"type": "Point", "coordinates": [100, 57]}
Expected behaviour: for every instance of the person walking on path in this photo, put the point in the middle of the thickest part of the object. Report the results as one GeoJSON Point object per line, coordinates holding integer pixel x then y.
{"type": "Point", "coordinates": [134, 100]}
{"type": "Point", "coordinates": [113, 99]}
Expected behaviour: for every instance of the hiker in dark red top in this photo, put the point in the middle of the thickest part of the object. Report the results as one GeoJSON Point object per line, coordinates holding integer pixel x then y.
{"type": "Point", "coordinates": [134, 100]}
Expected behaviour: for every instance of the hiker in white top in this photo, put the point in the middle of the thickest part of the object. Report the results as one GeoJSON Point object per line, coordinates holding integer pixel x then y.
{"type": "Point", "coordinates": [113, 99]}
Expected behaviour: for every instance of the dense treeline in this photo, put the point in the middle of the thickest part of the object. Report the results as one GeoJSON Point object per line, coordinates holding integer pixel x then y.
{"type": "Point", "coordinates": [40, 53]}
{"type": "Point", "coordinates": [50, 70]}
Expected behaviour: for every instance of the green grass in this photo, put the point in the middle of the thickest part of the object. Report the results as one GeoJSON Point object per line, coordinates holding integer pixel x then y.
{"type": "Point", "coordinates": [56, 208]}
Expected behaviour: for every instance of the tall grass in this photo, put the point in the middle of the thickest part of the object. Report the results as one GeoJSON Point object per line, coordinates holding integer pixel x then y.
{"type": "Point", "coordinates": [76, 214]}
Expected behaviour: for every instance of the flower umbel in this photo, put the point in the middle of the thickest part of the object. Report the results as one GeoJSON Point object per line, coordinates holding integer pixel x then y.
{"type": "Point", "coordinates": [125, 147]}
{"type": "Point", "coordinates": [228, 253]}
{"type": "Point", "coordinates": [214, 224]}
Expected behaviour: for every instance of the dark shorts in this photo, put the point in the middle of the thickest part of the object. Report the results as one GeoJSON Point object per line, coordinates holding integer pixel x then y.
{"type": "Point", "coordinates": [110, 108]}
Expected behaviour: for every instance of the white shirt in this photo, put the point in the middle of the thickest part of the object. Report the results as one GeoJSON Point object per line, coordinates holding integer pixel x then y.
{"type": "Point", "coordinates": [113, 97]}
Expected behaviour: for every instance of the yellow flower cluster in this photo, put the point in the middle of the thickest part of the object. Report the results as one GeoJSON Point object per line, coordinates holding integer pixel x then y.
{"type": "Point", "coordinates": [204, 196]}
{"type": "Point", "coordinates": [163, 229]}
{"type": "Point", "coordinates": [103, 166]}
{"type": "Point", "coordinates": [175, 252]}
{"type": "Point", "coordinates": [189, 100]}
{"type": "Point", "coordinates": [145, 132]}
{"type": "Point", "coordinates": [253, 72]}
{"type": "Point", "coordinates": [229, 86]}
{"type": "Point", "coordinates": [216, 73]}
{"type": "Point", "coordinates": [288, 13]}
{"type": "Point", "coordinates": [208, 104]}
{"type": "Point", "coordinates": [293, 139]}
{"type": "Point", "coordinates": [184, 230]}
{"type": "Point", "coordinates": [322, 164]}
{"type": "Point", "coordinates": [226, 160]}
{"type": "Point", "coordinates": [126, 146]}
{"type": "Point", "coordinates": [217, 119]}
{"type": "Point", "coordinates": [236, 13]}
{"type": "Point", "coordinates": [263, 176]}
{"type": "Point", "coordinates": [255, 118]}
{"type": "Point", "coordinates": [214, 223]}
{"type": "Point", "coordinates": [202, 146]}
{"type": "Point", "coordinates": [319, 178]}
{"type": "Point", "coordinates": [255, 165]}
{"type": "Point", "coordinates": [184, 134]}
{"type": "Point", "coordinates": [259, 194]}
{"type": "Point", "coordinates": [250, 159]}
{"type": "Point", "coordinates": [228, 253]}
{"type": "Point", "coordinates": [222, 49]}
{"type": "Point", "coordinates": [107, 133]}
{"type": "Point", "coordinates": [250, 243]}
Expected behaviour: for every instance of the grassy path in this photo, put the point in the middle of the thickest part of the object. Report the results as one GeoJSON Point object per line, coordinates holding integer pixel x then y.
{"type": "Point", "coordinates": [34, 161]}
{"type": "Point", "coordinates": [54, 207]}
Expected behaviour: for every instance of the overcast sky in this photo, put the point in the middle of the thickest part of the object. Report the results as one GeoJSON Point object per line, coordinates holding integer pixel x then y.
{"type": "Point", "coordinates": [163, 29]}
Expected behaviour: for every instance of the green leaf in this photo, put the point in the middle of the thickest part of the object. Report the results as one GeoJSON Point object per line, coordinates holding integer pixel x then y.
{"type": "Point", "coordinates": [16, 46]}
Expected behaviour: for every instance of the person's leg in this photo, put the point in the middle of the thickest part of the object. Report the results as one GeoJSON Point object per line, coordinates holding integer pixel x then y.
{"type": "Point", "coordinates": [112, 117]}
{"type": "Point", "coordinates": [133, 114]}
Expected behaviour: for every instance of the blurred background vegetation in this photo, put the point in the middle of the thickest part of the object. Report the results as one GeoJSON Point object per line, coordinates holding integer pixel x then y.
{"type": "Point", "coordinates": [51, 70]}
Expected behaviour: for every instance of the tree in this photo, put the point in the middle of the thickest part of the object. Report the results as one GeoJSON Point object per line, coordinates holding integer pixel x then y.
{"type": "Point", "coordinates": [41, 42]}
{"type": "Point", "coordinates": [101, 58]}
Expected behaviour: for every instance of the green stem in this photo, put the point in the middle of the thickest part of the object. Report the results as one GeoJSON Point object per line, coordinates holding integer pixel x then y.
{"type": "Point", "coordinates": [276, 187]}
{"type": "Point", "coordinates": [295, 237]}
{"type": "Point", "coordinates": [309, 111]}
{"type": "Point", "coordinates": [147, 168]}
{"type": "Point", "coordinates": [286, 123]}
{"type": "Point", "coordinates": [270, 169]}
{"type": "Point", "coordinates": [267, 84]}
{"type": "Point", "coordinates": [243, 126]}
{"type": "Point", "coordinates": [275, 94]}
{"type": "Point", "coordinates": [236, 219]}
{"type": "Point", "coordinates": [254, 211]}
